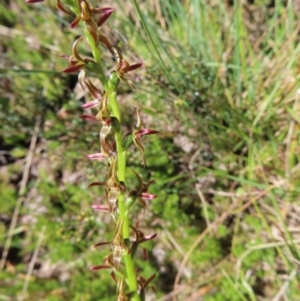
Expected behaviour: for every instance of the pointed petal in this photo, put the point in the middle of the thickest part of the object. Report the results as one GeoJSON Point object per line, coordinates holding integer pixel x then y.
{"type": "Point", "coordinates": [81, 77]}
{"type": "Point", "coordinates": [100, 208]}
{"type": "Point", "coordinates": [102, 19]}
{"type": "Point", "coordinates": [74, 68]}
{"type": "Point", "coordinates": [96, 94]}
{"type": "Point", "coordinates": [90, 104]}
{"type": "Point", "coordinates": [112, 199]}
{"type": "Point", "coordinates": [148, 196]}
{"type": "Point", "coordinates": [102, 10]}
{"type": "Point", "coordinates": [145, 253]}
{"type": "Point", "coordinates": [135, 231]}
{"type": "Point", "coordinates": [34, 1]}
{"type": "Point", "coordinates": [105, 146]}
{"type": "Point", "coordinates": [100, 244]}
{"type": "Point", "coordinates": [143, 132]}
{"type": "Point", "coordinates": [139, 122]}
{"type": "Point", "coordinates": [113, 276]}
{"type": "Point", "coordinates": [140, 146]}
{"type": "Point", "coordinates": [97, 156]}
{"type": "Point", "coordinates": [146, 282]}
{"type": "Point", "coordinates": [147, 238]}
{"type": "Point", "coordinates": [88, 117]}
{"type": "Point", "coordinates": [100, 267]}
{"type": "Point", "coordinates": [106, 42]}
{"type": "Point", "coordinates": [140, 187]}
{"type": "Point", "coordinates": [123, 66]}
{"type": "Point", "coordinates": [97, 184]}
{"type": "Point", "coordinates": [75, 52]}
{"type": "Point", "coordinates": [92, 28]}
{"type": "Point", "coordinates": [64, 56]}
{"type": "Point", "coordinates": [75, 22]}
{"type": "Point", "coordinates": [134, 66]}
{"type": "Point", "coordinates": [62, 8]}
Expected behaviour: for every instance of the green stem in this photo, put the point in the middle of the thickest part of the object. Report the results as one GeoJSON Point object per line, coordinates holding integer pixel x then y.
{"type": "Point", "coordinates": [110, 86]}
{"type": "Point", "coordinates": [123, 213]}
{"type": "Point", "coordinates": [97, 57]}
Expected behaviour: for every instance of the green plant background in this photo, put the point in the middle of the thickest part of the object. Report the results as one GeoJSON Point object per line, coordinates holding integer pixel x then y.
{"type": "Point", "coordinates": [221, 84]}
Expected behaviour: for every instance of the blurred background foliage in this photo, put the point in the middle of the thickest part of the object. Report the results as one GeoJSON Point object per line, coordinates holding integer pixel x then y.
{"type": "Point", "coordinates": [221, 84]}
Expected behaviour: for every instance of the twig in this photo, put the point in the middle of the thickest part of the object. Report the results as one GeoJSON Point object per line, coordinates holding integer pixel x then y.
{"type": "Point", "coordinates": [21, 192]}
{"type": "Point", "coordinates": [32, 262]}
{"type": "Point", "coordinates": [173, 293]}
{"type": "Point", "coordinates": [204, 204]}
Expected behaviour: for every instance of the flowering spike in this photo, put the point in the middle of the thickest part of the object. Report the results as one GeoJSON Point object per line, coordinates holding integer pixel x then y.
{"type": "Point", "coordinates": [112, 145]}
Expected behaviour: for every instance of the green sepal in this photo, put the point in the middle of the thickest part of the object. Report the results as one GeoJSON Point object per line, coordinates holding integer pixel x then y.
{"type": "Point", "coordinates": [130, 200]}
{"type": "Point", "coordinates": [113, 81]}
{"type": "Point", "coordinates": [115, 124]}
{"type": "Point", "coordinates": [93, 67]}
{"type": "Point", "coordinates": [127, 141]}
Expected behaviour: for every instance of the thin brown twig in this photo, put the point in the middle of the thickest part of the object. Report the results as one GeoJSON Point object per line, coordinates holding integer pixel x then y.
{"type": "Point", "coordinates": [21, 192]}
{"type": "Point", "coordinates": [32, 262]}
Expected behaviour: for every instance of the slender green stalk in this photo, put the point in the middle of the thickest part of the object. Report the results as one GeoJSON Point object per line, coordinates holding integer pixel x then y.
{"type": "Point", "coordinates": [97, 56]}
{"type": "Point", "coordinates": [121, 155]}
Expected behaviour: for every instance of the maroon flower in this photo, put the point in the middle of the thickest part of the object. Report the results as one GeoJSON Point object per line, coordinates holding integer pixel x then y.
{"type": "Point", "coordinates": [139, 132]}
{"type": "Point", "coordinates": [144, 132]}
{"type": "Point", "coordinates": [139, 239]}
{"type": "Point", "coordinates": [123, 67]}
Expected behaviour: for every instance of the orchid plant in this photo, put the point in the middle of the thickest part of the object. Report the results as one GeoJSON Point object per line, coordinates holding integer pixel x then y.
{"type": "Point", "coordinates": [114, 144]}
